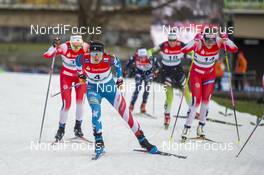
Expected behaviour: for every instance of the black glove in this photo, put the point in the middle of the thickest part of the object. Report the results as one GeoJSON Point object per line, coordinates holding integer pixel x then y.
{"type": "Point", "coordinates": [119, 82]}
{"type": "Point", "coordinates": [82, 78]}
{"type": "Point", "coordinates": [56, 42]}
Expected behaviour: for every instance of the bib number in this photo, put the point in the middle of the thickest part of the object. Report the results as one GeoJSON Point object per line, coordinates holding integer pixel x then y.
{"type": "Point", "coordinates": [173, 58]}
{"type": "Point", "coordinates": [97, 77]}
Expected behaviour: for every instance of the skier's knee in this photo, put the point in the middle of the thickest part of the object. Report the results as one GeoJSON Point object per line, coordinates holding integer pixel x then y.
{"type": "Point", "coordinates": [66, 105]}
{"type": "Point", "coordinates": [196, 101]}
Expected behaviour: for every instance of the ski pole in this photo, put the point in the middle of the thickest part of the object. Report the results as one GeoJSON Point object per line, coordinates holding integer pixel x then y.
{"type": "Point", "coordinates": [47, 96]}
{"type": "Point", "coordinates": [153, 102]}
{"type": "Point", "coordinates": [249, 137]}
{"type": "Point", "coordinates": [64, 90]}
{"type": "Point", "coordinates": [187, 84]}
{"type": "Point", "coordinates": [231, 93]}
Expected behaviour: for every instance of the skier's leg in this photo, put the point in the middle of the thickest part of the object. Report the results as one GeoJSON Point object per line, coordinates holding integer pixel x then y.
{"type": "Point", "coordinates": [196, 89]}
{"type": "Point", "coordinates": [138, 86]}
{"type": "Point", "coordinates": [80, 96]}
{"type": "Point", "coordinates": [94, 99]}
{"type": "Point", "coordinates": [196, 85]}
{"type": "Point", "coordinates": [168, 104]}
{"type": "Point", "coordinates": [147, 81]}
{"type": "Point", "coordinates": [65, 82]}
{"type": "Point", "coordinates": [181, 81]}
{"type": "Point", "coordinates": [118, 102]}
{"type": "Point", "coordinates": [207, 88]}
{"type": "Point", "coordinates": [169, 96]}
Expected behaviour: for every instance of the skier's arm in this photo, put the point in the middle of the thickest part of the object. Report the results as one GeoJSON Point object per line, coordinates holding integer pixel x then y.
{"type": "Point", "coordinates": [129, 63]}
{"type": "Point", "coordinates": [189, 47]}
{"type": "Point", "coordinates": [154, 50]}
{"type": "Point", "coordinates": [79, 64]}
{"type": "Point", "coordinates": [60, 49]}
{"type": "Point", "coordinates": [85, 47]}
{"type": "Point", "coordinates": [194, 44]}
{"type": "Point", "coordinates": [225, 43]}
{"type": "Point", "coordinates": [50, 52]}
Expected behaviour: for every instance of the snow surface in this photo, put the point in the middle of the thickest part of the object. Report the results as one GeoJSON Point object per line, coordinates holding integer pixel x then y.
{"type": "Point", "coordinates": [21, 105]}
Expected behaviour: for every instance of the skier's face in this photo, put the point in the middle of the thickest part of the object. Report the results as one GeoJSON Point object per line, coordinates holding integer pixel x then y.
{"type": "Point", "coordinates": [76, 43]}
{"type": "Point", "coordinates": [143, 57]}
{"type": "Point", "coordinates": [76, 46]}
{"type": "Point", "coordinates": [172, 43]}
{"type": "Point", "coordinates": [96, 57]}
{"type": "Point", "coordinates": [209, 40]}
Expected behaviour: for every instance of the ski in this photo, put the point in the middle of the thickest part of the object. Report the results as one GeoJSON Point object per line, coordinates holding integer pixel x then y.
{"type": "Point", "coordinates": [203, 139]}
{"type": "Point", "coordinates": [146, 115]}
{"type": "Point", "coordinates": [214, 120]}
{"type": "Point", "coordinates": [97, 156]}
{"type": "Point", "coordinates": [56, 142]}
{"type": "Point", "coordinates": [80, 138]}
{"type": "Point", "coordinates": [228, 114]}
{"type": "Point", "coordinates": [254, 124]}
{"type": "Point", "coordinates": [73, 140]}
{"type": "Point", "coordinates": [162, 153]}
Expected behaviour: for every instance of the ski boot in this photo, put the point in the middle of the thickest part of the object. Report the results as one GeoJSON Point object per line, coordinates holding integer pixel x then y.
{"type": "Point", "coordinates": [60, 133]}
{"type": "Point", "coordinates": [185, 133]}
{"type": "Point", "coordinates": [144, 143]}
{"type": "Point", "coordinates": [167, 120]}
{"type": "Point", "coordinates": [200, 130]}
{"type": "Point", "coordinates": [197, 116]}
{"type": "Point", "coordinates": [77, 129]}
{"type": "Point", "coordinates": [143, 108]}
{"type": "Point", "coordinates": [99, 144]}
{"type": "Point", "coordinates": [131, 107]}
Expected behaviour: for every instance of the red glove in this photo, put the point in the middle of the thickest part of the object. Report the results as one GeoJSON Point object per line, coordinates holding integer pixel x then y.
{"type": "Point", "coordinates": [198, 37]}
{"type": "Point", "coordinates": [224, 36]}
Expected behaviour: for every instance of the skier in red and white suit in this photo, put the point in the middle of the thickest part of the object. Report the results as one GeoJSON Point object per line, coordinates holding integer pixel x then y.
{"type": "Point", "coordinates": [202, 74]}
{"type": "Point", "coordinates": [68, 76]}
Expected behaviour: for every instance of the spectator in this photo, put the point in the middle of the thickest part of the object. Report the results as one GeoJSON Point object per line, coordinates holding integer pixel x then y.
{"type": "Point", "coordinates": [240, 70]}
{"type": "Point", "coordinates": [263, 81]}
{"type": "Point", "coordinates": [219, 72]}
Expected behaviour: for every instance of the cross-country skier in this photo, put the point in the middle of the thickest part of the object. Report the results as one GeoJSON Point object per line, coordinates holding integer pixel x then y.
{"type": "Point", "coordinates": [171, 71]}
{"type": "Point", "coordinates": [143, 72]}
{"type": "Point", "coordinates": [68, 76]}
{"type": "Point", "coordinates": [95, 66]}
{"type": "Point", "coordinates": [202, 74]}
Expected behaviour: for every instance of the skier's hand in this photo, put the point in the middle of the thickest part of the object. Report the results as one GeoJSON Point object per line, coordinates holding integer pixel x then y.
{"type": "Point", "coordinates": [125, 73]}
{"type": "Point", "coordinates": [156, 73]}
{"type": "Point", "coordinates": [119, 82]}
{"type": "Point", "coordinates": [56, 42]}
{"type": "Point", "coordinates": [224, 37]}
{"type": "Point", "coordinates": [82, 78]}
